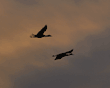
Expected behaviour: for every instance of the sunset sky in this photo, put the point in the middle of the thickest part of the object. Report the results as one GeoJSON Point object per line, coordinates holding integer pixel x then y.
{"type": "Point", "coordinates": [82, 25]}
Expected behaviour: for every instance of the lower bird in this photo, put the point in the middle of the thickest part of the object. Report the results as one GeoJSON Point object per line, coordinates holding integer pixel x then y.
{"type": "Point", "coordinates": [61, 55]}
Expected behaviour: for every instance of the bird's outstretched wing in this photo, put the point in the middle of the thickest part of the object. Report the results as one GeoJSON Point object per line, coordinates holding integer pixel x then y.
{"type": "Point", "coordinates": [42, 30]}
{"type": "Point", "coordinates": [69, 51]}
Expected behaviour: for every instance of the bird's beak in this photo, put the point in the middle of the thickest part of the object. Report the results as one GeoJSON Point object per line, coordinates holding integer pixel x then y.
{"type": "Point", "coordinates": [53, 56]}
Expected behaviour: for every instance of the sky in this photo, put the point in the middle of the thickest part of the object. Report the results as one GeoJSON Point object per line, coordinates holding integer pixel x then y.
{"type": "Point", "coordinates": [82, 25]}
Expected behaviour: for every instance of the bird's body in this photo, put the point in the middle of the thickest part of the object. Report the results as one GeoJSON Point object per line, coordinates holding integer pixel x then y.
{"type": "Point", "coordinates": [40, 34]}
{"type": "Point", "coordinates": [59, 56]}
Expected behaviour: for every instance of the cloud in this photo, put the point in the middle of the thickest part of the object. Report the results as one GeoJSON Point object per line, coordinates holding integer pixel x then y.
{"type": "Point", "coordinates": [66, 20]}
{"type": "Point", "coordinates": [27, 2]}
{"type": "Point", "coordinates": [70, 25]}
{"type": "Point", "coordinates": [85, 69]}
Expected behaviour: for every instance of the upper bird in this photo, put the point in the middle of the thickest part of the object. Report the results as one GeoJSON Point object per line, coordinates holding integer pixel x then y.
{"type": "Point", "coordinates": [59, 56]}
{"type": "Point", "coordinates": [40, 34]}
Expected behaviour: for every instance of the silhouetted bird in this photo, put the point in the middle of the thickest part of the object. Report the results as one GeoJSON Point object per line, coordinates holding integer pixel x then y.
{"type": "Point", "coordinates": [59, 56]}
{"type": "Point", "coordinates": [40, 34]}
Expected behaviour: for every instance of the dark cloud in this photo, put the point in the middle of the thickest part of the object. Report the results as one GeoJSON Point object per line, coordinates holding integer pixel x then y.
{"type": "Point", "coordinates": [77, 1]}
{"type": "Point", "coordinates": [85, 69]}
{"type": "Point", "coordinates": [82, 1]}
{"type": "Point", "coordinates": [96, 49]}
{"type": "Point", "coordinates": [26, 62]}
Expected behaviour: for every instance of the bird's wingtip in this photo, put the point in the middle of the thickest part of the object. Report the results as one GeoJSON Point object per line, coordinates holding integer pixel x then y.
{"type": "Point", "coordinates": [45, 25]}
{"type": "Point", "coordinates": [72, 49]}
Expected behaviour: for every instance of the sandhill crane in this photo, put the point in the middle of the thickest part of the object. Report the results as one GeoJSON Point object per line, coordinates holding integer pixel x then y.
{"type": "Point", "coordinates": [40, 34]}
{"type": "Point", "coordinates": [59, 56]}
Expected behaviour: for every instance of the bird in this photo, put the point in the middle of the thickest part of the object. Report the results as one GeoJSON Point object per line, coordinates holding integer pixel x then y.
{"type": "Point", "coordinates": [61, 55]}
{"type": "Point", "coordinates": [40, 34]}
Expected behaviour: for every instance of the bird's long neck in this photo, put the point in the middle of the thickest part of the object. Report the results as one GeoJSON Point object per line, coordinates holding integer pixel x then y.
{"type": "Point", "coordinates": [47, 35]}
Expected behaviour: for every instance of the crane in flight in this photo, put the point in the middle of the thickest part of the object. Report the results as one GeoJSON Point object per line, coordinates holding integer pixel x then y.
{"type": "Point", "coordinates": [61, 55]}
{"type": "Point", "coordinates": [40, 34]}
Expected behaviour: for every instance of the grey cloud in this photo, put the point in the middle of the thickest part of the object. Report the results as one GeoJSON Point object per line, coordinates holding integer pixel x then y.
{"type": "Point", "coordinates": [80, 1]}
{"type": "Point", "coordinates": [84, 69]}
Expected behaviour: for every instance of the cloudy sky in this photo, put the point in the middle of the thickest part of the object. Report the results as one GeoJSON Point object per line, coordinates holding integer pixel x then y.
{"type": "Point", "coordinates": [82, 25]}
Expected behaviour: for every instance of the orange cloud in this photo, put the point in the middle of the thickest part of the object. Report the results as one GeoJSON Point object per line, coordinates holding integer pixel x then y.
{"type": "Point", "coordinates": [67, 22]}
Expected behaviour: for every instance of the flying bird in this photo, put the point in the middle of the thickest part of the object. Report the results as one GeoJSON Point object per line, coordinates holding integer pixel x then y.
{"type": "Point", "coordinates": [59, 56]}
{"type": "Point", "coordinates": [40, 34]}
